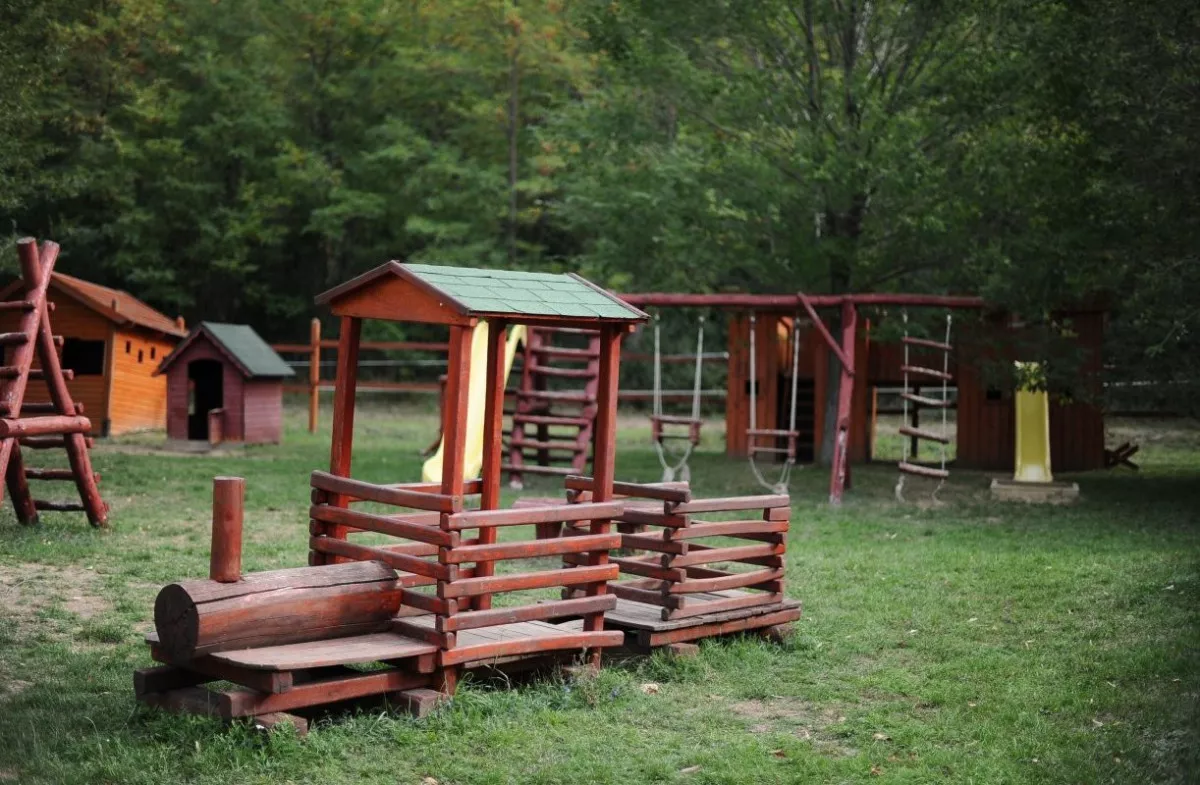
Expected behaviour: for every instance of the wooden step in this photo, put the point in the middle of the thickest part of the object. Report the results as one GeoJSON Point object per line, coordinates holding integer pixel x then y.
{"type": "Point", "coordinates": [13, 339]}
{"type": "Point", "coordinates": [36, 473]}
{"type": "Point", "coordinates": [926, 343]}
{"type": "Point", "coordinates": [562, 397]}
{"type": "Point", "coordinates": [671, 419]}
{"type": "Point", "coordinates": [548, 419]}
{"type": "Point", "coordinates": [563, 351]}
{"type": "Point", "coordinates": [769, 432]}
{"type": "Point", "coordinates": [923, 471]}
{"type": "Point", "coordinates": [920, 371]}
{"type": "Point", "coordinates": [43, 426]}
{"type": "Point", "coordinates": [921, 400]}
{"type": "Point", "coordinates": [12, 372]}
{"type": "Point", "coordinates": [17, 305]}
{"type": "Point", "coordinates": [530, 444]}
{"type": "Point", "coordinates": [917, 433]}
{"type": "Point", "coordinates": [41, 504]}
{"type": "Point", "coordinates": [566, 373]}
{"type": "Point", "coordinates": [535, 469]}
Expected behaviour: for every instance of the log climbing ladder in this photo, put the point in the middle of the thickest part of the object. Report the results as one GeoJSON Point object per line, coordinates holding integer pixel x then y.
{"type": "Point", "coordinates": [555, 412]}
{"type": "Point", "coordinates": [912, 428]}
{"type": "Point", "coordinates": [59, 423]}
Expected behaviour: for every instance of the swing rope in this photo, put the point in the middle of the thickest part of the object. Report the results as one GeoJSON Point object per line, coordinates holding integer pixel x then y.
{"type": "Point", "coordinates": [680, 467]}
{"type": "Point", "coordinates": [785, 474]}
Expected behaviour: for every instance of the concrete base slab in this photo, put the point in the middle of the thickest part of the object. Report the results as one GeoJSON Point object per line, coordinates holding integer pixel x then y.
{"type": "Point", "coordinates": [1035, 492]}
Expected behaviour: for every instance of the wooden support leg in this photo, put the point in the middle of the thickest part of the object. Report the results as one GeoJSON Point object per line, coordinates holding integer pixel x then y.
{"type": "Point", "coordinates": [419, 702]}
{"type": "Point", "coordinates": [272, 720]}
{"type": "Point", "coordinates": [18, 488]}
{"type": "Point", "coordinates": [682, 650]}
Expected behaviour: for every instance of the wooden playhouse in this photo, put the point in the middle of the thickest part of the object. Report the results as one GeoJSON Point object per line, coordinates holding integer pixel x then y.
{"type": "Point", "coordinates": [112, 344]}
{"type": "Point", "coordinates": [225, 384]}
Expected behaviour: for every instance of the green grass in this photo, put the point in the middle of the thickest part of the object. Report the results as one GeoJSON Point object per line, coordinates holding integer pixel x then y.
{"type": "Point", "coordinates": [967, 642]}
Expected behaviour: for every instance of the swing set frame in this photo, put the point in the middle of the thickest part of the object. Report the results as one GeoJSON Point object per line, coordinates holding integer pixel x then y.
{"type": "Point", "coordinates": [842, 348]}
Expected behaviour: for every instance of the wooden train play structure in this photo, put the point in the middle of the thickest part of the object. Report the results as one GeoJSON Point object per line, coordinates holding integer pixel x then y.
{"type": "Point", "coordinates": [431, 603]}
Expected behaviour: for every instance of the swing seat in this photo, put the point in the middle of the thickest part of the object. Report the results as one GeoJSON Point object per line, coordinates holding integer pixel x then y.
{"type": "Point", "coordinates": [659, 434]}
{"type": "Point", "coordinates": [757, 449]}
{"type": "Point", "coordinates": [923, 471]}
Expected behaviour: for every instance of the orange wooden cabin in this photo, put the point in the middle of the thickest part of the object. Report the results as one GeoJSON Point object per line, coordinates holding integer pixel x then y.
{"type": "Point", "coordinates": [113, 343]}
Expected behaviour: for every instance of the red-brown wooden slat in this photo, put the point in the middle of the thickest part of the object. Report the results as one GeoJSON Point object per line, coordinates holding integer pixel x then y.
{"type": "Point", "coordinates": [382, 525]}
{"type": "Point", "coordinates": [701, 555]}
{"type": "Point", "coordinates": [723, 582]}
{"type": "Point", "coordinates": [923, 471]}
{"type": "Point", "coordinates": [733, 503]}
{"type": "Point", "coordinates": [397, 561]}
{"type": "Point", "coordinates": [526, 515]}
{"type": "Point", "coordinates": [578, 640]}
{"type": "Point", "coordinates": [725, 529]}
{"type": "Point", "coordinates": [532, 549]}
{"type": "Point", "coordinates": [398, 497]}
{"type": "Point", "coordinates": [528, 580]}
{"type": "Point", "coordinates": [921, 400]}
{"type": "Point", "coordinates": [470, 620]}
{"type": "Point", "coordinates": [926, 343]}
{"type": "Point", "coordinates": [922, 434]}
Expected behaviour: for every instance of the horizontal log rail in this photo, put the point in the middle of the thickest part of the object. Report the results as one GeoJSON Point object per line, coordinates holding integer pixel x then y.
{"type": "Point", "coordinates": [725, 529]}
{"type": "Point", "coordinates": [397, 561]}
{"type": "Point", "coordinates": [473, 519]}
{"type": "Point", "coordinates": [663, 491]}
{"type": "Point", "coordinates": [380, 524]}
{"type": "Point", "coordinates": [383, 494]}
{"type": "Point", "coordinates": [702, 554]}
{"type": "Point", "coordinates": [553, 609]}
{"type": "Point", "coordinates": [545, 579]}
{"type": "Point", "coordinates": [735, 580]}
{"type": "Point", "coordinates": [732, 504]}
{"type": "Point", "coordinates": [488, 651]}
{"type": "Point", "coordinates": [532, 548]}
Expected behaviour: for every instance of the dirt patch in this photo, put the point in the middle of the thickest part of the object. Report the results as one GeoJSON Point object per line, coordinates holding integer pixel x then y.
{"type": "Point", "coordinates": [9, 775]}
{"type": "Point", "coordinates": [26, 589]}
{"type": "Point", "coordinates": [805, 720]}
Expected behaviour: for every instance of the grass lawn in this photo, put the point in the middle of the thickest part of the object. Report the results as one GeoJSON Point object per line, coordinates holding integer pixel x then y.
{"type": "Point", "coordinates": [962, 643]}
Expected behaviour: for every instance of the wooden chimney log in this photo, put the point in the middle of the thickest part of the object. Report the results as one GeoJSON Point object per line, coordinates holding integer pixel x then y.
{"type": "Point", "coordinates": [225, 555]}
{"type": "Point", "coordinates": [200, 617]}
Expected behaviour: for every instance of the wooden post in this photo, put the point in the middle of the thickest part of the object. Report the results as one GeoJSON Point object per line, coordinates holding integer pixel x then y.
{"type": "Point", "coordinates": [454, 422]}
{"type": "Point", "coordinates": [840, 474]}
{"type": "Point", "coordinates": [225, 557]}
{"type": "Point", "coordinates": [915, 423]}
{"type": "Point", "coordinates": [493, 437]}
{"type": "Point", "coordinates": [314, 373]}
{"type": "Point", "coordinates": [342, 441]}
{"type": "Point", "coordinates": [604, 457]}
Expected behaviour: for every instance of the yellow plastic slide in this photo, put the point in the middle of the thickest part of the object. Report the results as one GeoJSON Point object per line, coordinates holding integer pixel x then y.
{"type": "Point", "coordinates": [1033, 428]}
{"type": "Point", "coordinates": [476, 397]}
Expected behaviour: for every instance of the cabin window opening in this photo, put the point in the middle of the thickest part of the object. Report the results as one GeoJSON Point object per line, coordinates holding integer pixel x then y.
{"type": "Point", "coordinates": [85, 358]}
{"type": "Point", "coordinates": [153, 352]}
{"type": "Point", "coordinates": [139, 355]}
{"type": "Point", "coordinates": [128, 347]}
{"type": "Point", "coordinates": [994, 395]}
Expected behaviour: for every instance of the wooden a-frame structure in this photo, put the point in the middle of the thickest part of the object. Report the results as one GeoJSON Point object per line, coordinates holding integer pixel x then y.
{"type": "Point", "coordinates": [59, 423]}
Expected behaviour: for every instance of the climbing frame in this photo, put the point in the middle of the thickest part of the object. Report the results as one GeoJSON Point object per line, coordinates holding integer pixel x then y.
{"type": "Point", "coordinates": [57, 424]}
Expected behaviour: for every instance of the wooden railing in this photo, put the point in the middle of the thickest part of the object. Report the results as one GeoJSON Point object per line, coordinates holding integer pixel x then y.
{"type": "Point", "coordinates": [435, 550]}
{"type": "Point", "coordinates": [673, 566]}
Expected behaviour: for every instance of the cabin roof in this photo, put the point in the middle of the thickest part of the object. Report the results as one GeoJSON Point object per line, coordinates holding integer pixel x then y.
{"type": "Point", "coordinates": [241, 345]}
{"type": "Point", "coordinates": [115, 305]}
{"type": "Point", "coordinates": [507, 294]}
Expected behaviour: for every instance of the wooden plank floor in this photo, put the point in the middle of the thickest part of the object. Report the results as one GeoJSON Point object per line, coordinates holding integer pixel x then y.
{"type": "Point", "coordinates": [336, 651]}
{"type": "Point", "coordinates": [630, 614]}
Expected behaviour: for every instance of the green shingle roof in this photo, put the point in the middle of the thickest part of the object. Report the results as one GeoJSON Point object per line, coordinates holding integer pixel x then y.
{"type": "Point", "coordinates": [510, 293]}
{"type": "Point", "coordinates": [522, 293]}
{"type": "Point", "coordinates": [249, 350]}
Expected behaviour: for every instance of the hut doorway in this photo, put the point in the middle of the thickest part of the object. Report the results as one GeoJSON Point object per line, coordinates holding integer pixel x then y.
{"type": "Point", "coordinates": [205, 393]}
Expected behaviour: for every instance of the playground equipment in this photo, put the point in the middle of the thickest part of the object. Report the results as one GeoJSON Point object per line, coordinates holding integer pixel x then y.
{"type": "Point", "coordinates": [914, 432]}
{"type": "Point", "coordinates": [291, 647]}
{"type": "Point", "coordinates": [1033, 480]}
{"type": "Point", "coordinates": [675, 592]}
{"type": "Point", "coordinates": [477, 400]}
{"type": "Point", "coordinates": [61, 423]}
{"type": "Point", "coordinates": [754, 433]}
{"type": "Point", "coordinates": [557, 400]}
{"type": "Point", "coordinates": [660, 433]}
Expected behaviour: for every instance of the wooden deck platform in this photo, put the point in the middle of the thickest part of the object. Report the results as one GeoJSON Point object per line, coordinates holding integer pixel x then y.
{"type": "Point", "coordinates": [645, 628]}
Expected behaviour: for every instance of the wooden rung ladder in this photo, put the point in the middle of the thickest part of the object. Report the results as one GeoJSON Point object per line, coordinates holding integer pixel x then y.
{"type": "Point", "coordinates": [59, 423]}
{"type": "Point", "coordinates": [569, 401]}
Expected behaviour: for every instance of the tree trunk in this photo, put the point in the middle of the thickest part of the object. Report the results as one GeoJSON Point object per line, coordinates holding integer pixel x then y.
{"type": "Point", "coordinates": [514, 129]}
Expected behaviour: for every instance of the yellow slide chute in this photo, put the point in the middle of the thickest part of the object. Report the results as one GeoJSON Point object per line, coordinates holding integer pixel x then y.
{"type": "Point", "coordinates": [1033, 427]}
{"type": "Point", "coordinates": [476, 397]}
